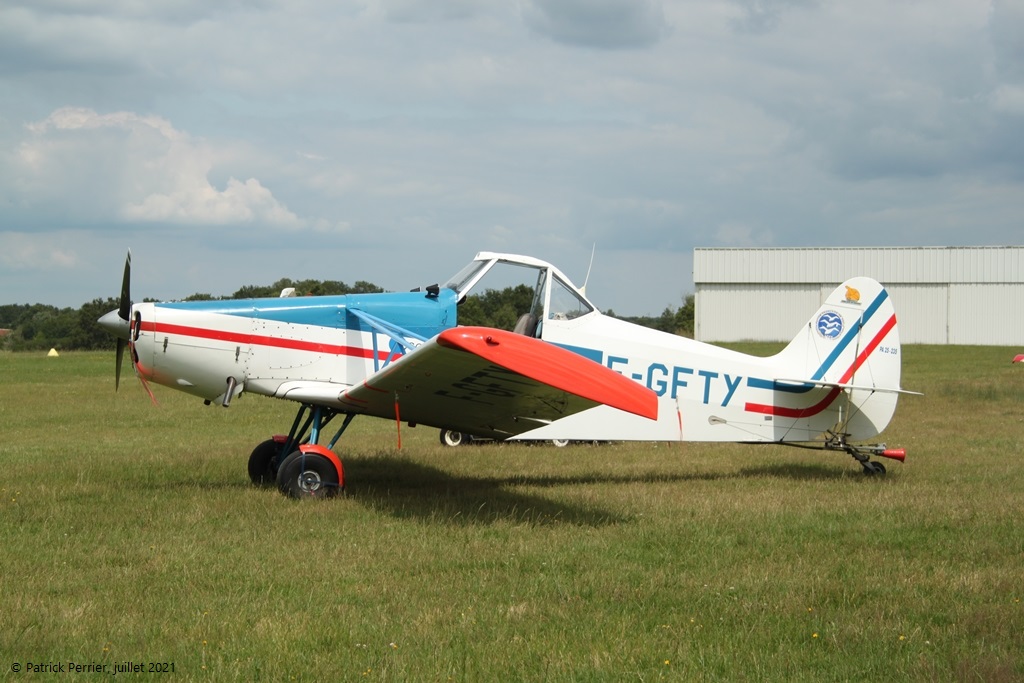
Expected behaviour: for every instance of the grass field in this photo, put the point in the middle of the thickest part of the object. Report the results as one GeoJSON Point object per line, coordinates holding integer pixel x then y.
{"type": "Point", "coordinates": [131, 534]}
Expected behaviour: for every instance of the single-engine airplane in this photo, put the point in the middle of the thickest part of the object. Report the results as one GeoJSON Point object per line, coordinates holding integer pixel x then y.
{"type": "Point", "coordinates": [565, 372]}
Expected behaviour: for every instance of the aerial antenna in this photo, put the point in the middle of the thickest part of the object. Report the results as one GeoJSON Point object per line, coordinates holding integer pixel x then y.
{"type": "Point", "coordinates": [583, 289]}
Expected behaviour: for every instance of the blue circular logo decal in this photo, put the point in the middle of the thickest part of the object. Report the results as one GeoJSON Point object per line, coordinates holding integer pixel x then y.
{"type": "Point", "coordinates": [830, 324]}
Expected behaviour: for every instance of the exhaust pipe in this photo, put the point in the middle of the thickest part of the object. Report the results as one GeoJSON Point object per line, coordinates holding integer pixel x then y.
{"type": "Point", "coordinates": [232, 383]}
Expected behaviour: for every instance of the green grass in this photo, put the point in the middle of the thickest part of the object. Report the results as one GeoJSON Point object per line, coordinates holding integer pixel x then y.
{"type": "Point", "coordinates": [130, 532]}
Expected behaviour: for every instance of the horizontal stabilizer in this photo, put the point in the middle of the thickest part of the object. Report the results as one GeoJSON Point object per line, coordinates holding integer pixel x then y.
{"type": "Point", "coordinates": [850, 387]}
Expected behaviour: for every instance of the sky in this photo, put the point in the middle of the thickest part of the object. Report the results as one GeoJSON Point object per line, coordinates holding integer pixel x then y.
{"type": "Point", "coordinates": [239, 142]}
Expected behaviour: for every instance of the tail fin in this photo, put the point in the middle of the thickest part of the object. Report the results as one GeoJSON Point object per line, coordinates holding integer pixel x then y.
{"type": "Point", "coordinates": [851, 345]}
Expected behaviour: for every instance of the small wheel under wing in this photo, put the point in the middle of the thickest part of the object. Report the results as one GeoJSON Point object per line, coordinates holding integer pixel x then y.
{"type": "Point", "coordinates": [450, 437]}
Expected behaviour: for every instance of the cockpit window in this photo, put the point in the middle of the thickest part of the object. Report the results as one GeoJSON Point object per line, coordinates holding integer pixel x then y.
{"type": "Point", "coordinates": [565, 303]}
{"type": "Point", "coordinates": [511, 290]}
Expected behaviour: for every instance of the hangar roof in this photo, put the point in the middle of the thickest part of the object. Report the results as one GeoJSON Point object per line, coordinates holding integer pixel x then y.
{"type": "Point", "coordinates": [833, 264]}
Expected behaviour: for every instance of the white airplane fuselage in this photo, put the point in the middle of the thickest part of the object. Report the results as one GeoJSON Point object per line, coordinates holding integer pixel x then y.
{"type": "Point", "coordinates": [841, 371]}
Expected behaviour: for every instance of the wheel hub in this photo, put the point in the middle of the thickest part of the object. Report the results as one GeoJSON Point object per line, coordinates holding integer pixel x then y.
{"type": "Point", "coordinates": [310, 482]}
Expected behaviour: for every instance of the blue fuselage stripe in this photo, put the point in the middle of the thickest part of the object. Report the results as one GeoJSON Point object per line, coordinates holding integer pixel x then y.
{"type": "Point", "coordinates": [595, 355]}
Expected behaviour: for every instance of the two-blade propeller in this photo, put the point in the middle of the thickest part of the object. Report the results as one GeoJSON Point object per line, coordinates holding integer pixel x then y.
{"type": "Point", "coordinates": [118, 322]}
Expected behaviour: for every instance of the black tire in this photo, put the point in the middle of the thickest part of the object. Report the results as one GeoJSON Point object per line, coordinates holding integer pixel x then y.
{"type": "Point", "coordinates": [873, 468]}
{"type": "Point", "coordinates": [308, 475]}
{"type": "Point", "coordinates": [264, 461]}
{"type": "Point", "coordinates": [450, 437]}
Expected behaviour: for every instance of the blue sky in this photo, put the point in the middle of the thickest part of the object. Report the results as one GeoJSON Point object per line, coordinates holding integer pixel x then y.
{"type": "Point", "coordinates": [231, 143]}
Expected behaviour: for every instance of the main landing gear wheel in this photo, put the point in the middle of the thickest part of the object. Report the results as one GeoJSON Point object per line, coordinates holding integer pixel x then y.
{"type": "Point", "coordinates": [264, 462]}
{"type": "Point", "coordinates": [450, 437]}
{"type": "Point", "coordinates": [308, 475]}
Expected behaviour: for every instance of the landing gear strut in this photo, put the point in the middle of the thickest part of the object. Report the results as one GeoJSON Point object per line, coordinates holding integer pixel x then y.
{"type": "Point", "coordinates": [298, 463]}
{"type": "Point", "coordinates": [863, 454]}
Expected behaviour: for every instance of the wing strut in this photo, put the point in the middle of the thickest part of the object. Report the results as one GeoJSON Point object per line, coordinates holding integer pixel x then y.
{"type": "Point", "coordinates": [399, 336]}
{"type": "Point", "coordinates": [398, 422]}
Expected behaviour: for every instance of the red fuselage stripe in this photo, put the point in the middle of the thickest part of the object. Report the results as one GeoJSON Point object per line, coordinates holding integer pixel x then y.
{"type": "Point", "coordinates": [262, 340]}
{"type": "Point", "coordinates": [824, 403]}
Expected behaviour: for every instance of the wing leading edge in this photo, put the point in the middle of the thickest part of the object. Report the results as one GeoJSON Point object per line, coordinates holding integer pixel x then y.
{"type": "Point", "coordinates": [490, 382]}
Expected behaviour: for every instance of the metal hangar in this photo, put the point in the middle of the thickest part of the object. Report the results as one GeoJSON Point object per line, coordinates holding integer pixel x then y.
{"type": "Point", "coordinates": [942, 295]}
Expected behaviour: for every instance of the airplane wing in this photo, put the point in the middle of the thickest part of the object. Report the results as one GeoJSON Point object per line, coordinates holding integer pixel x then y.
{"type": "Point", "coordinates": [490, 382]}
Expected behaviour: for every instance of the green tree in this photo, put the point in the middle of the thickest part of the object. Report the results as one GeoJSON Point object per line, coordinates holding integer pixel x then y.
{"type": "Point", "coordinates": [685, 325]}
{"type": "Point", "coordinates": [679, 321]}
{"type": "Point", "coordinates": [499, 308]}
{"type": "Point", "coordinates": [88, 335]}
{"type": "Point", "coordinates": [40, 327]}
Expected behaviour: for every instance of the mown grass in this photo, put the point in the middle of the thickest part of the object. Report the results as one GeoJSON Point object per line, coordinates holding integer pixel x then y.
{"type": "Point", "coordinates": [130, 532]}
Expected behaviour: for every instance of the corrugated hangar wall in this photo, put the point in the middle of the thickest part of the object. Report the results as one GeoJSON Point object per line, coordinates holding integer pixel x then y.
{"type": "Point", "coordinates": [942, 295]}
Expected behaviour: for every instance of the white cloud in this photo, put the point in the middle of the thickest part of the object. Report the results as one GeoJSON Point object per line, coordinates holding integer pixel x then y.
{"type": "Point", "coordinates": [24, 252]}
{"type": "Point", "coordinates": [81, 118]}
{"type": "Point", "coordinates": [196, 201]}
{"type": "Point", "coordinates": [140, 169]}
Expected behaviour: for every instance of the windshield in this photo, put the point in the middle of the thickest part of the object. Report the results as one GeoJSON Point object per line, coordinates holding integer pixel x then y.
{"type": "Point", "coordinates": [459, 281]}
{"type": "Point", "coordinates": [565, 303]}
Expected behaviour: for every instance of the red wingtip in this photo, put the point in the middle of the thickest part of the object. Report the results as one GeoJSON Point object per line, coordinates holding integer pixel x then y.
{"type": "Point", "coordinates": [1019, 358]}
{"type": "Point", "coordinates": [895, 453]}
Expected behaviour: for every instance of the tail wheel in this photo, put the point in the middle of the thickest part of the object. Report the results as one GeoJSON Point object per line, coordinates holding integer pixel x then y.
{"type": "Point", "coordinates": [873, 467]}
{"type": "Point", "coordinates": [450, 437]}
{"type": "Point", "coordinates": [308, 475]}
{"type": "Point", "coordinates": [264, 463]}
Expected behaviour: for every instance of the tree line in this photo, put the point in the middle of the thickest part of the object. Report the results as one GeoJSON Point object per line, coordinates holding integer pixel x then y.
{"type": "Point", "coordinates": [501, 309]}
{"type": "Point", "coordinates": [40, 327]}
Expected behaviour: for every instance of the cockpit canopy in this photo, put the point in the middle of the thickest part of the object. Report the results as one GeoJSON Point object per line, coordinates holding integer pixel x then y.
{"type": "Point", "coordinates": [554, 295]}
